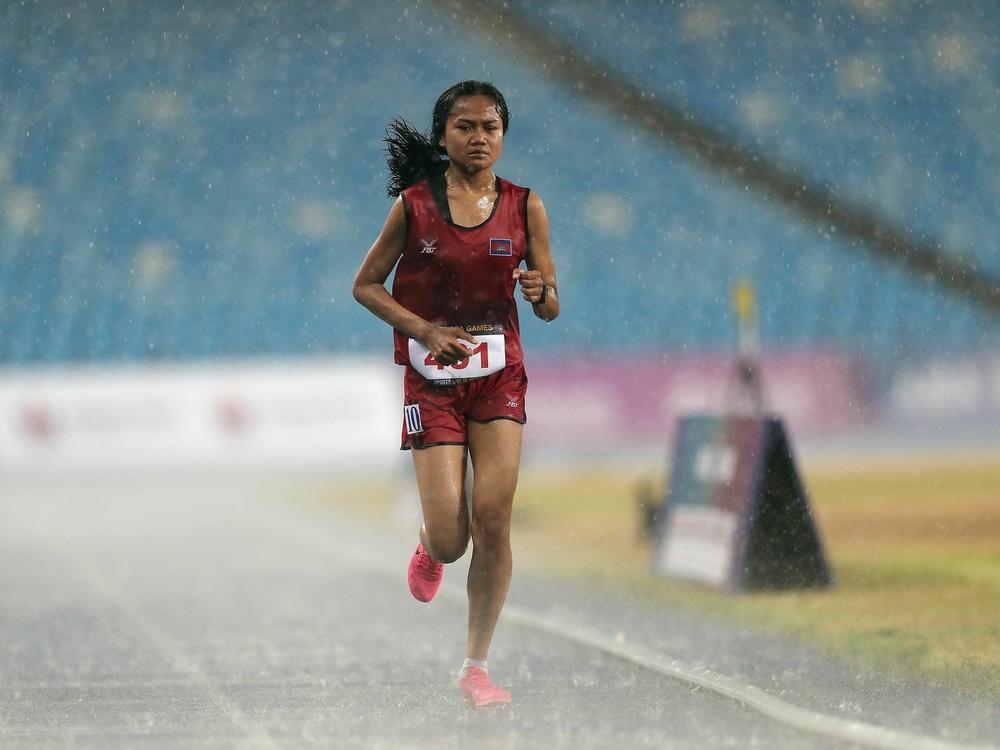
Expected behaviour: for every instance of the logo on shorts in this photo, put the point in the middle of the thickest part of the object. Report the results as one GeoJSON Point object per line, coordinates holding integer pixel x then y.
{"type": "Point", "coordinates": [513, 400]}
{"type": "Point", "coordinates": [428, 246]}
{"type": "Point", "coordinates": [501, 247]}
{"type": "Point", "coordinates": [411, 415]}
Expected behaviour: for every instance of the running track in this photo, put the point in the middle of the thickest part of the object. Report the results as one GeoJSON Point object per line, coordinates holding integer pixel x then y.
{"type": "Point", "coordinates": [212, 612]}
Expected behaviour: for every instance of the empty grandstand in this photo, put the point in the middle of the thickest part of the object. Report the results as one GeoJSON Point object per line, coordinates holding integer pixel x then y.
{"type": "Point", "coordinates": [185, 182]}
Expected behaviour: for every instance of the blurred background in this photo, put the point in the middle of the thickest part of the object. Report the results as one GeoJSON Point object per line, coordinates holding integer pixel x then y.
{"type": "Point", "coordinates": [186, 192]}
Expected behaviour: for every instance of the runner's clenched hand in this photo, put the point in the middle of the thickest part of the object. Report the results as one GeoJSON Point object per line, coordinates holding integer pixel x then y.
{"type": "Point", "coordinates": [531, 282]}
{"type": "Point", "coordinates": [445, 344]}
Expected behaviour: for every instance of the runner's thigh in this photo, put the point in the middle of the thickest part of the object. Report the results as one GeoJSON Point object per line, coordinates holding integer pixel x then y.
{"type": "Point", "coordinates": [496, 458]}
{"type": "Point", "coordinates": [440, 473]}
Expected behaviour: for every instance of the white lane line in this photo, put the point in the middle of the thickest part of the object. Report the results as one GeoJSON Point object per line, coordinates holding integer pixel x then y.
{"type": "Point", "coordinates": [354, 550]}
{"type": "Point", "coordinates": [816, 722]}
{"type": "Point", "coordinates": [256, 735]}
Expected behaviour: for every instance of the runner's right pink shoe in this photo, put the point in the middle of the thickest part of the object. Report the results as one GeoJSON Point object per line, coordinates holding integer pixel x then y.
{"type": "Point", "coordinates": [479, 691]}
{"type": "Point", "coordinates": [424, 575]}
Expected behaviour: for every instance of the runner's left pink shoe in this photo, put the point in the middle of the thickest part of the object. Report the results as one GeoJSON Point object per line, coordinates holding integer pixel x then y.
{"type": "Point", "coordinates": [424, 575]}
{"type": "Point", "coordinates": [479, 691]}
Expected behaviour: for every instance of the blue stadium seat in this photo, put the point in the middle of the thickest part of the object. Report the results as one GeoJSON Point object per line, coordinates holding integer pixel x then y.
{"type": "Point", "coordinates": [191, 183]}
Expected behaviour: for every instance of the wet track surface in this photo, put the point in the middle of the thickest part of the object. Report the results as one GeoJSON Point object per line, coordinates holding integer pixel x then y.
{"type": "Point", "coordinates": [215, 614]}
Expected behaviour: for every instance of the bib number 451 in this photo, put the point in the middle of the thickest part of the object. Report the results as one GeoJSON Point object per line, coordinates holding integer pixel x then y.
{"type": "Point", "coordinates": [482, 351]}
{"type": "Point", "coordinates": [488, 356]}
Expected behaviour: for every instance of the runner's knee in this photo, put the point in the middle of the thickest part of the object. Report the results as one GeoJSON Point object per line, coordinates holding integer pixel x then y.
{"type": "Point", "coordinates": [491, 528]}
{"type": "Point", "coordinates": [446, 547]}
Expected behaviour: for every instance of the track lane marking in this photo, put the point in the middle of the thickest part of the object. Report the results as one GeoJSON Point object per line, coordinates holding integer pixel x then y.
{"type": "Point", "coordinates": [816, 722]}
{"type": "Point", "coordinates": [808, 720]}
{"type": "Point", "coordinates": [256, 735]}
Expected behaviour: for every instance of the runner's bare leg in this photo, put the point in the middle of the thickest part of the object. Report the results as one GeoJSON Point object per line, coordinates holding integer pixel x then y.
{"type": "Point", "coordinates": [496, 456]}
{"type": "Point", "coordinates": [440, 471]}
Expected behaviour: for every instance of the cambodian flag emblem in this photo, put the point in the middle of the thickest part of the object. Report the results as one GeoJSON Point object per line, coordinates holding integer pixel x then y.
{"type": "Point", "coordinates": [501, 247]}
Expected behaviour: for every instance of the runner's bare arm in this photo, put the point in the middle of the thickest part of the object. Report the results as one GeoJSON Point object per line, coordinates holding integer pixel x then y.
{"type": "Point", "coordinates": [541, 273]}
{"type": "Point", "coordinates": [369, 289]}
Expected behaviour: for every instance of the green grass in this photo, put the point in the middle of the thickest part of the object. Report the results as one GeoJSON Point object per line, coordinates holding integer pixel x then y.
{"type": "Point", "coordinates": [915, 551]}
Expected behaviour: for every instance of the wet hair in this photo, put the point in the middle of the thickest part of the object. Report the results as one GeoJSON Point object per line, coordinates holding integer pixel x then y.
{"type": "Point", "coordinates": [412, 156]}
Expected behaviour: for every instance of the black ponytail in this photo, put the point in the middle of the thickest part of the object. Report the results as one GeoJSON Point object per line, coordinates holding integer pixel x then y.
{"type": "Point", "coordinates": [410, 156]}
{"type": "Point", "coordinates": [413, 156]}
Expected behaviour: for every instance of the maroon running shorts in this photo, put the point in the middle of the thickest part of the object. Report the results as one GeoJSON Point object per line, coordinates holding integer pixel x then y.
{"type": "Point", "coordinates": [436, 414]}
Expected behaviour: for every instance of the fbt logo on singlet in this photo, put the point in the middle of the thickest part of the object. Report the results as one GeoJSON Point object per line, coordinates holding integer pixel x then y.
{"type": "Point", "coordinates": [489, 355]}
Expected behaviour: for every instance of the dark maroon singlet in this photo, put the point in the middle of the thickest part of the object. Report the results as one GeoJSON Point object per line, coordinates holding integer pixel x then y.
{"type": "Point", "coordinates": [456, 275]}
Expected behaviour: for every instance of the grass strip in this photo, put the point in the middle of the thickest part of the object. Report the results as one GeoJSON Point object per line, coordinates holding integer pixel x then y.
{"type": "Point", "coordinates": [915, 550]}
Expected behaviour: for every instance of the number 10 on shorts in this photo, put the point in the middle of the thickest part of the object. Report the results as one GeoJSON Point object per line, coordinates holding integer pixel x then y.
{"type": "Point", "coordinates": [488, 356]}
{"type": "Point", "coordinates": [411, 413]}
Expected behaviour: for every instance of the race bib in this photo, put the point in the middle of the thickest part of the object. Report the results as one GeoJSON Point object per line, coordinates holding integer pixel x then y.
{"type": "Point", "coordinates": [489, 355]}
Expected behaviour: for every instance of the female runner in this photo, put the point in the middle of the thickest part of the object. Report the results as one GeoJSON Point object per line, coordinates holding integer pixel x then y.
{"type": "Point", "coordinates": [459, 234]}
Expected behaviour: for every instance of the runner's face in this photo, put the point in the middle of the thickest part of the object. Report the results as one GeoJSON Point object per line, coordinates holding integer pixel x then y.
{"type": "Point", "coordinates": [473, 133]}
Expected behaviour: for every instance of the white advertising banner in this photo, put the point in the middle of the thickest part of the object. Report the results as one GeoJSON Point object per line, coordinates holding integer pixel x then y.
{"type": "Point", "coordinates": [343, 412]}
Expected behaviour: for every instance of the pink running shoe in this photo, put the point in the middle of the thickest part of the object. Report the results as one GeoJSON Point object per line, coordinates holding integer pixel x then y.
{"type": "Point", "coordinates": [424, 575]}
{"type": "Point", "coordinates": [479, 691]}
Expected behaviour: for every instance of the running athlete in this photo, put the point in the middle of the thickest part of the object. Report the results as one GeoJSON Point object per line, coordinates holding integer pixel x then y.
{"type": "Point", "coordinates": [457, 236]}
